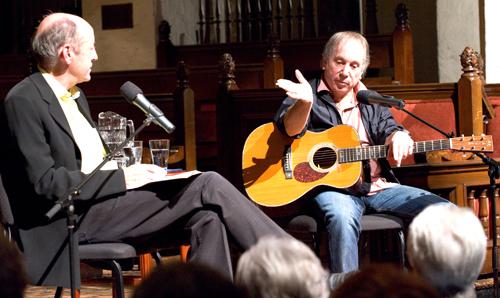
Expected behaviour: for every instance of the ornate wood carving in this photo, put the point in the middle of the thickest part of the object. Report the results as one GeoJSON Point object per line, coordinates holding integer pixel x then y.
{"type": "Point", "coordinates": [470, 95]}
{"type": "Point", "coordinates": [226, 72]}
{"type": "Point", "coordinates": [402, 40]}
{"type": "Point", "coordinates": [274, 68]}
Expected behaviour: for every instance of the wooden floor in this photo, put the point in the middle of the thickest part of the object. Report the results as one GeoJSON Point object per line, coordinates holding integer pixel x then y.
{"type": "Point", "coordinates": [102, 289]}
{"type": "Point", "coordinates": [91, 288]}
{"type": "Point", "coordinates": [95, 290]}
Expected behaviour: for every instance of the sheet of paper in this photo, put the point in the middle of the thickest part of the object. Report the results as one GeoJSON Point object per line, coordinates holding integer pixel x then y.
{"type": "Point", "coordinates": [171, 175]}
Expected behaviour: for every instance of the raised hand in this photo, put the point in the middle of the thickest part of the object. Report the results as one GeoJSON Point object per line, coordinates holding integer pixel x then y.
{"type": "Point", "coordinates": [299, 91]}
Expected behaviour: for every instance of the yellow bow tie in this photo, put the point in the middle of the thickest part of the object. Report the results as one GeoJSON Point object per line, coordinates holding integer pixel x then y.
{"type": "Point", "coordinates": [72, 94]}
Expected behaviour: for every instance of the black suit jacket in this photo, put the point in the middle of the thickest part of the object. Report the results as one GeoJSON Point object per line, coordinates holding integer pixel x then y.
{"type": "Point", "coordinates": [40, 163]}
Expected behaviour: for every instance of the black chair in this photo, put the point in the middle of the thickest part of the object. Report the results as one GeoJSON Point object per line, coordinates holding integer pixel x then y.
{"type": "Point", "coordinates": [306, 224]}
{"type": "Point", "coordinates": [100, 255]}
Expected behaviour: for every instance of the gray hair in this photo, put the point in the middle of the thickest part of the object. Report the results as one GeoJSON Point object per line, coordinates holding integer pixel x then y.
{"type": "Point", "coordinates": [46, 42]}
{"type": "Point", "coordinates": [282, 268]}
{"type": "Point", "coordinates": [339, 39]}
{"type": "Point", "coordinates": [447, 246]}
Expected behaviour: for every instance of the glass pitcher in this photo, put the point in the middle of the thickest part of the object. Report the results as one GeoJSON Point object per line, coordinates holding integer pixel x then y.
{"type": "Point", "coordinates": [113, 128]}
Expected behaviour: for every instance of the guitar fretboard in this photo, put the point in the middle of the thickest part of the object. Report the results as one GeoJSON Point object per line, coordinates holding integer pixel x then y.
{"type": "Point", "coordinates": [380, 151]}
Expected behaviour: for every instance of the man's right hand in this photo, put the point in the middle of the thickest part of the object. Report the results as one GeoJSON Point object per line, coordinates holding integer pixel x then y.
{"type": "Point", "coordinates": [296, 117]}
{"type": "Point", "coordinates": [300, 91]}
{"type": "Point", "coordinates": [138, 175]}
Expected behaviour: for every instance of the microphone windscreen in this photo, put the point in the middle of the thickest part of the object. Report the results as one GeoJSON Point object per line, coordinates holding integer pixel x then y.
{"type": "Point", "coordinates": [130, 91]}
{"type": "Point", "coordinates": [364, 96]}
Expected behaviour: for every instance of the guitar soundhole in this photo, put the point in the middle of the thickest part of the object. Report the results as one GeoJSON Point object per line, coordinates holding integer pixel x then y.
{"type": "Point", "coordinates": [324, 158]}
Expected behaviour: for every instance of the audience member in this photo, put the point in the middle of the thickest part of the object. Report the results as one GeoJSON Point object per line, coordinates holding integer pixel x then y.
{"type": "Point", "coordinates": [447, 246]}
{"type": "Point", "coordinates": [12, 274]}
{"type": "Point", "coordinates": [187, 280]}
{"type": "Point", "coordinates": [384, 280]}
{"type": "Point", "coordinates": [280, 268]}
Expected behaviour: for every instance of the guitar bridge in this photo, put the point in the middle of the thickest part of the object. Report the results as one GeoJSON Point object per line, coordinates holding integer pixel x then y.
{"type": "Point", "coordinates": [286, 160]}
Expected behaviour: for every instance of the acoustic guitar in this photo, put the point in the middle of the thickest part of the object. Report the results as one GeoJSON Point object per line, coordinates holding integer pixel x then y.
{"type": "Point", "coordinates": [278, 169]}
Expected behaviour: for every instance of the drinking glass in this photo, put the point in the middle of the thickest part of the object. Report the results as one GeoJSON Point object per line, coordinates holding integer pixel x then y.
{"type": "Point", "coordinates": [160, 150]}
{"type": "Point", "coordinates": [133, 151]}
{"type": "Point", "coordinates": [121, 161]}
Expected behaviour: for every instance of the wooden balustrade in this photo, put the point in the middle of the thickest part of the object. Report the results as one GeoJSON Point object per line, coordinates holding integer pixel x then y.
{"type": "Point", "coordinates": [247, 20]}
{"type": "Point", "coordinates": [391, 54]}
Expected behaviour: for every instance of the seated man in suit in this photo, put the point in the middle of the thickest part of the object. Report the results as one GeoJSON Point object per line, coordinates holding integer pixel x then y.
{"type": "Point", "coordinates": [51, 144]}
{"type": "Point", "coordinates": [330, 100]}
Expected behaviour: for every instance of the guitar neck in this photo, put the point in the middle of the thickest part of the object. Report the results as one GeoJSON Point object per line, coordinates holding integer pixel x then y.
{"type": "Point", "coordinates": [380, 151]}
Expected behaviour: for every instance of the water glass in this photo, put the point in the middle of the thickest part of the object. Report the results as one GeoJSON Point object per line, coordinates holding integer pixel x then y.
{"type": "Point", "coordinates": [160, 150]}
{"type": "Point", "coordinates": [133, 151]}
{"type": "Point", "coordinates": [121, 161]}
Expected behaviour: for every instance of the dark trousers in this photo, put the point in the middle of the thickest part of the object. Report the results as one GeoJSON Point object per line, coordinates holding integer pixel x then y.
{"type": "Point", "coordinates": [207, 207]}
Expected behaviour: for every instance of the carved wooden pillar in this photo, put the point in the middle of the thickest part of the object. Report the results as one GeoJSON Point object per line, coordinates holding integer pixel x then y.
{"type": "Point", "coordinates": [470, 109]}
{"type": "Point", "coordinates": [402, 38]}
{"type": "Point", "coordinates": [226, 72]}
{"type": "Point", "coordinates": [273, 64]}
{"type": "Point", "coordinates": [185, 116]}
{"type": "Point", "coordinates": [484, 212]}
{"type": "Point", "coordinates": [224, 110]}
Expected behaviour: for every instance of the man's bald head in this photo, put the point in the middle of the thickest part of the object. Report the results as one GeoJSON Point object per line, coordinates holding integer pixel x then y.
{"type": "Point", "coordinates": [54, 31]}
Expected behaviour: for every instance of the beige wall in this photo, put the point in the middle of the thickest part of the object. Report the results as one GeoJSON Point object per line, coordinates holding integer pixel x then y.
{"type": "Point", "coordinates": [457, 28]}
{"type": "Point", "coordinates": [491, 41]}
{"type": "Point", "coordinates": [124, 49]}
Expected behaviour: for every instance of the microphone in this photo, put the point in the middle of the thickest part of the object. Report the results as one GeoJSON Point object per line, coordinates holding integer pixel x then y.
{"type": "Point", "coordinates": [372, 97]}
{"type": "Point", "coordinates": [134, 95]}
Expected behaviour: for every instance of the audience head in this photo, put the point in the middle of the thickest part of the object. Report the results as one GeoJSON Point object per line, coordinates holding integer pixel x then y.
{"type": "Point", "coordinates": [186, 280]}
{"type": "Point", "coordinates": [281, 268]}
{"type": "Point", "coordinates": [447, 246]}
{"type": "Point", "coordinates": [13, 279]}
{"type": "Point", "coordinates": [65, 37]}
{"type": "Point", "coordinates": [384, 280]}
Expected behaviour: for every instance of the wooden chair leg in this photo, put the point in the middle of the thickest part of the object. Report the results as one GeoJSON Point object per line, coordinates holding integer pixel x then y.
{"type": "Point", "coordinates": [146, 264]}
{"type": "Point", "coordinates": [60, 290]}
{"type": "Point", "coordinates": [184, 250]}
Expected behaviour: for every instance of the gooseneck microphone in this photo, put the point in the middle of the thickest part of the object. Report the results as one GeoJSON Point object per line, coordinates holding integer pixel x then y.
{"type": "Point", "coordinates": [373, 97]}
{"type": "Point", "coordinates": [134, 95]}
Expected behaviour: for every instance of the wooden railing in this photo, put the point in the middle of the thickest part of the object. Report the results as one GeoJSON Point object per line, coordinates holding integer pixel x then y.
{"type": "Point", "coordinates": [391, 54]}
{"type": "Point", "coordinates": [229, 21]}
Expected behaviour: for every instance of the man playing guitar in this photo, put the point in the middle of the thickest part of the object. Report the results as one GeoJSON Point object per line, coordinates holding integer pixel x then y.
{"type": "Point", "coordinates": [328, 101]}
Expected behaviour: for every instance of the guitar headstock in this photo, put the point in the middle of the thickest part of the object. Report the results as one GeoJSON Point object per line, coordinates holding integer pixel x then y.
{"type": "Point", "coordinates": [473, 144]}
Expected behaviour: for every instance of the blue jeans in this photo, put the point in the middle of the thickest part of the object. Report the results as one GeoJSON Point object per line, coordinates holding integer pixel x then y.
{"type": "Point", "coordinates": [342, 214]}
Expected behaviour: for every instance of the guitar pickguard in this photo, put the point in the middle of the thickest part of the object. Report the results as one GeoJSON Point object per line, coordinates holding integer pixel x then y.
{"type": "Point", "coordinates": [304, 173]}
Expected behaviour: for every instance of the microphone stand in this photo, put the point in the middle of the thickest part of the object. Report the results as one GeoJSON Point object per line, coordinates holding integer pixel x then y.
{"type": "Point", "coordinates": [67, 202]}
{"type": "Point", "coordinates": [493, 173]}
